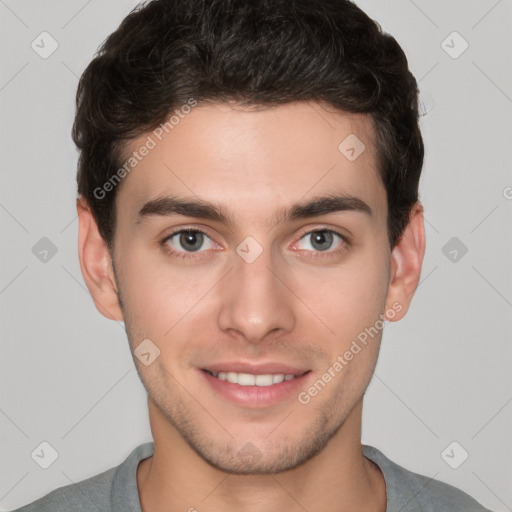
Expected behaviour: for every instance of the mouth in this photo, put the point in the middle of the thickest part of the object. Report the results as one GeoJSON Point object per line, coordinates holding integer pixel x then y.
{"type": "Point", "coordinates": [250, 379]}
{"type": "Point", "coordinates": [255, 388]}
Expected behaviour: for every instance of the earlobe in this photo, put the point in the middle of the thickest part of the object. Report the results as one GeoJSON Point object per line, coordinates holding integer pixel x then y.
{"type": "Point", "coordinates": [406, 262]}
{"type": "Point", "coordinates": [96, 264]}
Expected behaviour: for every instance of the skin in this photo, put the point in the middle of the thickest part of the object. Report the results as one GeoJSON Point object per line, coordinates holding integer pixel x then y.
{"type": "Point", "coordinates": [287, 306]}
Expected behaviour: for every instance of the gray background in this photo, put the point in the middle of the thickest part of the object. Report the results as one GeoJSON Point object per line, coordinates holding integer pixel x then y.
{"type": "Point", "coordinates": [444, 372]}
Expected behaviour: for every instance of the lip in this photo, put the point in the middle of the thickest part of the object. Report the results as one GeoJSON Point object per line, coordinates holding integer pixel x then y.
{"type": "Point", "coordinates": [257, 397]}
{"type": "Point", "coordinates": [255, 369]}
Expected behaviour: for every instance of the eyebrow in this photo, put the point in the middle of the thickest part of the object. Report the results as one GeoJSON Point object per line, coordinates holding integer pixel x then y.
{"type": "Point", "coordinates": [171, 205]}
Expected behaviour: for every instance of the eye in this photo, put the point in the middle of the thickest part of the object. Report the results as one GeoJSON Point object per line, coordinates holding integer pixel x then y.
{"type": "Point", "coordinates": [322, 240]}
{"type": "Point", "coordinates": [185, 241]}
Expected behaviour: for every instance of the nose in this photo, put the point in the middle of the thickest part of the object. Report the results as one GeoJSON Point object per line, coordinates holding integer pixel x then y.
{"type": "Point", "coordinates": [255, 300]}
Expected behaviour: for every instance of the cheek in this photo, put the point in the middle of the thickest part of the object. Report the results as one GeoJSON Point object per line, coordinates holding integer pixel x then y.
{"type": "Point", "coordinates": [158, 294]}
{"type": "Point", "coordinates": [347, 298]}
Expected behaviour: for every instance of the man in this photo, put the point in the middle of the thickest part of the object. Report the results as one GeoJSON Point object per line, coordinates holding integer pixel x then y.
{"type": "Point", "coordinates": [248, 206]}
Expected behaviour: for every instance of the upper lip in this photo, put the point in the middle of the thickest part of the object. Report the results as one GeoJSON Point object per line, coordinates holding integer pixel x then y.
{"type": "Point", "coordinates": [255, 368]}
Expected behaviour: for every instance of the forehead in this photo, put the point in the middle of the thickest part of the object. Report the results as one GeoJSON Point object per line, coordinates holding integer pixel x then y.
{"type": "Point", "coordinates": [255, 160]}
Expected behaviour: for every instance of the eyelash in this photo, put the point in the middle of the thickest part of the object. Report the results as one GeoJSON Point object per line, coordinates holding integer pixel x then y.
{"type": "Point", "coordinates": [188, 256]}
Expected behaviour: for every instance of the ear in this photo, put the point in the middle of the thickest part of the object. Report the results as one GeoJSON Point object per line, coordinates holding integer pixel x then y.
{"type": "Point", "coordinates": [406, 261]}
{"type": "Point", "coordinates": [96, 264]}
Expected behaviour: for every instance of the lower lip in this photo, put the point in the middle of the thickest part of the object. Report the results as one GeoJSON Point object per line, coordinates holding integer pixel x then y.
{"type": "Point", "coordinates": [256, 396]}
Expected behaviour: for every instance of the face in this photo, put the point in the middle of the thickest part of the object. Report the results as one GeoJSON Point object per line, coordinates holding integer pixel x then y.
{"type": "Point", "coordinates": [254, 288]}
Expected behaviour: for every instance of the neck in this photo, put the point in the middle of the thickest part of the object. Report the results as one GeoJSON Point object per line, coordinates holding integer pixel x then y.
{"type": "Point", "coordinates": [336, 479]}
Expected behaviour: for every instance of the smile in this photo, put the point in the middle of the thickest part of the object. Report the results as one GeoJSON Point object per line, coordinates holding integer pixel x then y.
{"type": "Point", "coordinates": [253, 390]}
{"type": "Point", "coordinates": [249, 379]}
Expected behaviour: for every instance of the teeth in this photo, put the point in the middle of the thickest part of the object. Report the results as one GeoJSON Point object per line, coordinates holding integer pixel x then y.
{"type": "Point", "coordinates": [248, 379]}
{"type": "Point", "coordinates": [276, 379]}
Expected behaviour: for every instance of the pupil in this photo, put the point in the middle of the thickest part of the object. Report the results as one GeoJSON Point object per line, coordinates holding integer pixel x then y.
{"type": "Point", "coordinates": [194, 238]}
{"type": "Point", "coordinates": [320, 238]}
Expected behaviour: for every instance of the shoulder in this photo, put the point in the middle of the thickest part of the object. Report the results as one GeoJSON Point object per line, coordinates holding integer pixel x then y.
{"type": "Point", "coordinates": [89, 494]}
{"type": "Point", "coordinates": [101, 493]}
{"type": "Point", "coordinates": [409, 491]}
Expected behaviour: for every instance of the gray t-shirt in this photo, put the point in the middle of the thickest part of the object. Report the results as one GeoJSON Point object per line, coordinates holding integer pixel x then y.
{"type": "Point", "coordinates": [115, 490]}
